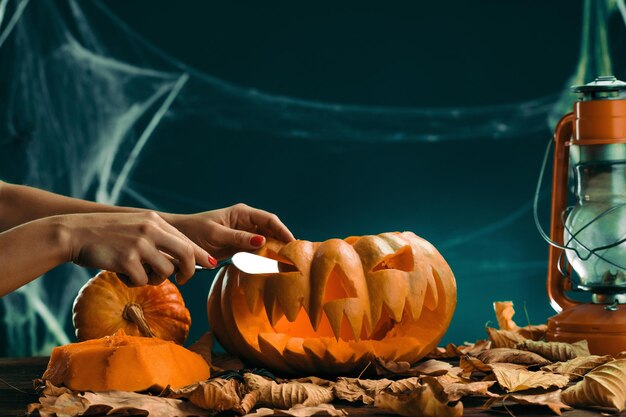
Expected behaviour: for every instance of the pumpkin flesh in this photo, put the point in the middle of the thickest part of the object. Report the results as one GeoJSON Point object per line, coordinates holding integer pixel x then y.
{"type": "Point", "coordinates": [127, 363]}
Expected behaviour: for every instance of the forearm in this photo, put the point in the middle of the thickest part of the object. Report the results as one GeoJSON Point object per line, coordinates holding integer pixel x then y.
{"type": "Point", "coordinates": [20, 204]}
{"type": "Point", "coordinates": [30, 250]}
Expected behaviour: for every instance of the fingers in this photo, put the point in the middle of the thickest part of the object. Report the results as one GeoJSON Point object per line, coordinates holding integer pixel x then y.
{"type": "Point", "coordinates": [145, 265]}
{"type": "Point", "coordinates": [133, 275]}
{"type": "Point", "coordinates": [201, 256]}
{"type": "Point", "coordinates": [156, 247]}
{"type": "Point", "coordinates": [175, 244]}
{"type": "Point", "coordinates": [126, 242]}
{"type": "Point", "coordinates": [267, 223]}
{"type": "Point", "coordinates": [240, 239]}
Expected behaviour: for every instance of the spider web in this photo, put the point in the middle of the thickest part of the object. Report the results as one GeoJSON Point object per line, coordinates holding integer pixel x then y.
{"type": "Point", "coordinates": [82, 96]}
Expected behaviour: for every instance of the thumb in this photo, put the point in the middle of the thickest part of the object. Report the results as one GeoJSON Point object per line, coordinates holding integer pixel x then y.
{"type": "Point", "coordinates": [239, 239]}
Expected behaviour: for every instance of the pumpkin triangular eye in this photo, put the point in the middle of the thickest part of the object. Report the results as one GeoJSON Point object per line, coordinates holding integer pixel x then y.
{"type": "Point", "coordinates": [401, 260]}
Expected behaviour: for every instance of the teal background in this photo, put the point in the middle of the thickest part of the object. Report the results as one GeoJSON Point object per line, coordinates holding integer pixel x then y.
{"type": "Point", "coordinates": [471, 199]}
{"type": "Point", "coordinates": [422, 54]}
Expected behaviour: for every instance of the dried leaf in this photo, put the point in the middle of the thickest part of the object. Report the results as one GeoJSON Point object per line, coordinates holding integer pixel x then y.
{"type": "Point", "coordinates": [64, 405]}
{"type": "Point", "coordinates": [215, 394]}
{"type": "Point", "coordinates": [404, 385]}
{"type": "Point", "coordinates": [533, 332]}
{"type": "Point", "coordinates": [312, 380]}
{"type": "Point", "coordinates": [504, 338]}
{"type": "Point", "coordinates": [577, 367]}
{"type": "Point", "coordinates": [113, 402]}
{"type": "Point", "coordinates": [474, 348]}
{"type": "Point", "coordinates": [470, 364]}
{"type": "Point", "coordinates": [431, 367]}
{"type": "Point", "coordinates": [515, 379]}
{"type": "Point", "coordinates": [605, 387]}
{"type": "Point", "coordinates": [45, 387]}
{"type": "Point", "coordinates": [448, 352]}
{"type": "Point", "coordinates": [288, 394]}
{"type": "Point", "coordinates": [249, 401]}
{"type": "Point", "coordinates": [452, 351]}
{"type": "Point", "coordinates": [204, 347]}
{"type": "Point", "coordinates": [261, 412]}
{"type": "Point", "coordinates": [363, 390]}
{"type": "Point", "coordinates": [550, 399]}
{"type": "Point", "coordinates": [455, 387]}
{"type": "Point", "coordinates": [556, 351]}
{"type": "Point", "coordinates": [300, 411]}
{"type": "Point", "coordinates": [504, 313]}
{"type": "Point", "coordinates": [506, 355]}
{"type": "Point", "coordinates": [420, 402]}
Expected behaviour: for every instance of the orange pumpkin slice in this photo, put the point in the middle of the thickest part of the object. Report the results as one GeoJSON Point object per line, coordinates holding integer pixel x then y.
{"type": "Point", "coordinates": [127, 363]}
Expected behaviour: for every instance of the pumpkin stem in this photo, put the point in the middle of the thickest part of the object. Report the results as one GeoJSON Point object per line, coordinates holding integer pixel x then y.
{"type": "Point", "coordinates": [134, 313]}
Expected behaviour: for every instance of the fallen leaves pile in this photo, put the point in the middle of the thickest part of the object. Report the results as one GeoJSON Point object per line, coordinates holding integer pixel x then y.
{"type": "Point", "coordinates": [514, 366]}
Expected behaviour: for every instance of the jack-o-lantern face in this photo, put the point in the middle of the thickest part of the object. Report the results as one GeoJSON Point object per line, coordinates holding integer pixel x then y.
{"type": "Point", "coordinates": [336, 304]}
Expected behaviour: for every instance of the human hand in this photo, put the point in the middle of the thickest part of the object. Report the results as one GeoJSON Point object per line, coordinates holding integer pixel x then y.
{"type": "Point", "coordinates": [141, 246]}
{"type": "Point", "coordinates": [225, 231]}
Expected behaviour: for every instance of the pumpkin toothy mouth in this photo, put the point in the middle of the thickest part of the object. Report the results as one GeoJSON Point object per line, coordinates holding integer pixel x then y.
{"type": "Point", "coordinates": [335, 305]}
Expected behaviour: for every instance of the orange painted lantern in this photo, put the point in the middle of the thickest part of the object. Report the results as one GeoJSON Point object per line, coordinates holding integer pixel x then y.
{"type": "Point", "coordinates": [336, 305]}
{"type": "Point", "coordinates": [588, 240]}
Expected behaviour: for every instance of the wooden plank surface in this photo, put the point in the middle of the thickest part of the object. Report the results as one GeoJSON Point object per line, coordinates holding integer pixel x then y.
{"type": "Point", "coordinates": [16, 392]}
{"type": "Point", "coordinates": [16, 383]}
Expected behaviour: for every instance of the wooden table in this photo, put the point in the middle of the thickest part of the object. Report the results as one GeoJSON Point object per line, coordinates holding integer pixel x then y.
{"type": "Point", "coordinates": [16, 391]}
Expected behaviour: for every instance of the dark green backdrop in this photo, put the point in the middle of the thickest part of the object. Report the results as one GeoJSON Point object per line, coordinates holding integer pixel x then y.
{"type": "Point", "coordinates": [471, 199]}
{"type": "Point", "coordinates": [404, 53]}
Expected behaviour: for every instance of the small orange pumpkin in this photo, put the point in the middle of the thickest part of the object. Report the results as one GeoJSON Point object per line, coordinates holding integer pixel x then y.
{"type": "Point", "coordinates": [336, 304]}
{"type": "Point", "coordinates": [127, 363]}
{"type": "Point", "coordinates": [105, 305]}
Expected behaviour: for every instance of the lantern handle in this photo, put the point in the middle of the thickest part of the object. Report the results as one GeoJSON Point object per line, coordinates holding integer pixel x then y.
{"type": "Point", "coordinates": [557, 285]}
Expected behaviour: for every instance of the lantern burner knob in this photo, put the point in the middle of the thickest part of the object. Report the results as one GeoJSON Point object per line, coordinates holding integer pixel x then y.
{"type": "Point", "coordinates": [604, 87]}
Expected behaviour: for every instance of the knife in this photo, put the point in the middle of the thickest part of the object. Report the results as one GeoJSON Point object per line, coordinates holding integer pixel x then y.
{"type": "Point", "coordinates": [248, 263]}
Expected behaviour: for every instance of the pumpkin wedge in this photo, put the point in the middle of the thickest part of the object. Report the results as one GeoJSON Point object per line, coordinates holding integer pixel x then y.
{"type": "Point", "coordinates": [123, 362]}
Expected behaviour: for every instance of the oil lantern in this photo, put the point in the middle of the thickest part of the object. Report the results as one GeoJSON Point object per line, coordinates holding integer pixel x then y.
{"type": "Point", "coordinates": [588, 238]}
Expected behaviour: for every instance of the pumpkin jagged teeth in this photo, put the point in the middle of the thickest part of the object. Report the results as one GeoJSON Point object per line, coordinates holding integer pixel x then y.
{"type": "Point", "coordinates": [431, 300]}
{"type": "Point", "coordinates": [334, 313]}
{"type": "Point", "coordinates": [417, 291]}
{"type": "Point", "coordinates": [315, 349]}
{"type": "Point", "coordinates": [356, 323]}
{"type": "Point", "coordinates": [337, 355]}
{"type": "Point", "coordinates": [391, 290]}
{"type": "Point", "coordinates": [351, 309]}
{"type": "Point", "coordinates": [291, 290]}
{"type": "Point", "coordinates": [273, 309]}
{"type": "Point", "coordinates": [252, 289]}
{"type": "Point", "coordinates": [362, 350]}
{"type": "Point", "coordinates": [272, 347]}
{"type": "Point", "coordinates": [296, 356]}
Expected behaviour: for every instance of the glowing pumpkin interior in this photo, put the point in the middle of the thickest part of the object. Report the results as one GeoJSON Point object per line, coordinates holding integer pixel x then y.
{"type": "Point", "coordinates": [336, 304]}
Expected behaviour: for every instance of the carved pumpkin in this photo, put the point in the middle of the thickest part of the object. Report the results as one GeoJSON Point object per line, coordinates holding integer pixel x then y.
{"type": "Point", "coordinates": [105, 304]}
{"type": "Point", "coordinates": [336, 304]}
{"type": "Point", "coordinates": [127, 363]}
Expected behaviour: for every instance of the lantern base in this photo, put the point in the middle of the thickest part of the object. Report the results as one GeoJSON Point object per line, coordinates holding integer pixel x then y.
{"type": "Point", "coordinates": [604, 330]}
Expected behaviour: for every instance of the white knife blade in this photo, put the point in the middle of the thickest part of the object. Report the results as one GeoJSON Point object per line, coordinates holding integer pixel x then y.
{"type": "Point", "coordinates": [254, 264]}
{"type": "Point", "coordinates": [249, 263]}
